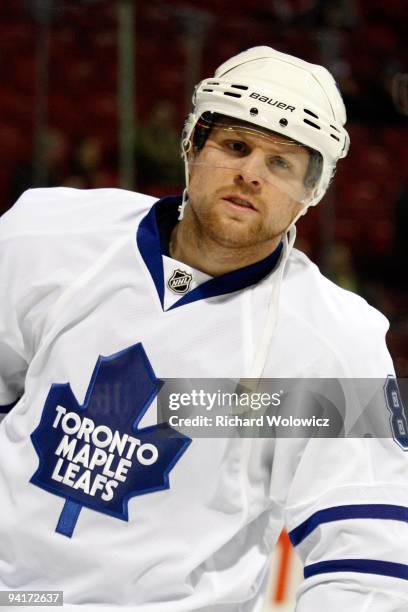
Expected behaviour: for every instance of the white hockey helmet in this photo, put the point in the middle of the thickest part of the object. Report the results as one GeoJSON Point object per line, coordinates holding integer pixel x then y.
{"type": "Point", "coordinates": [280, 93]}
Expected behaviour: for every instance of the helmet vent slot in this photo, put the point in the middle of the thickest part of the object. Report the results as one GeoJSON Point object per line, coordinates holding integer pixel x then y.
{"type": "Point", "coordinates": [244, 87]}
{"type": "Point", "coordinates": [212, 83]}
{"type": "Point", "coordinates": [335, 137]}
{"type": "Point", "coordinates": [311, 123]}
{"type": "Point", "coordinates": [333, 127]}
{"type": "Point", "coordinates": [309, 112]}
{"type": "Point", "coordinates": [208, 90]}
{"type": "Point", "coordinates": [232, 94]}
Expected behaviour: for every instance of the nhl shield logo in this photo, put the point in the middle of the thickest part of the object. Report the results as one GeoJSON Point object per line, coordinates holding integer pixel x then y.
{"type": "Point", "coordinates": [180, 281]}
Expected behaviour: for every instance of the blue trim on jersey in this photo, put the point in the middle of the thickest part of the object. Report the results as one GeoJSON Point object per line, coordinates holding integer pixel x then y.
{"type": "Point", "coordinates": [341, 513]}
{"type": "Point", "coordinates": [7, 408]}
{"type": "Point", "coordinates": [362, 566]}
{"type": "Point", "coordinates": [148, 241]}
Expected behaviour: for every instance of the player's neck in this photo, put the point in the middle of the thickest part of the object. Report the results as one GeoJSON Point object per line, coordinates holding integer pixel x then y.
{"type": "Point", "coordinates": [191, 246]}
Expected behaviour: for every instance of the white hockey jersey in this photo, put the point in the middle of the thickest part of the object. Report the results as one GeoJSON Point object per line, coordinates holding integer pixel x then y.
{"type": "Point", "coordinates": [119, 511]}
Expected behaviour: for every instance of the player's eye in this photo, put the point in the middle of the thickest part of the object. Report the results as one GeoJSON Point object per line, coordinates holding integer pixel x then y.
{"type": "Point", "coordinates": [237, 146]}
{"type": "Point", "coordinates": [276, 161]}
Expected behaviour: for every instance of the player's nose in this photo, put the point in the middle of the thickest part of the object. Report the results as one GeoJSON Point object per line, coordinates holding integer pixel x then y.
{"type": "Point", "coordinates": [249, 171]}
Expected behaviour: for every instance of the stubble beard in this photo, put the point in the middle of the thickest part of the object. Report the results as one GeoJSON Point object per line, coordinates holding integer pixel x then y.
{"type": "Point", "coordinates": [230, 231]}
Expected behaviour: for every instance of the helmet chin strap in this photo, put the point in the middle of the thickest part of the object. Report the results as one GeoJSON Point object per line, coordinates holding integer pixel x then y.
{"type": "Point", "coordinates": [186, 147]}
{"type": "Point", "coordinates": [301, 212]}
{"type": "Point", "coordinates": [183, 204]}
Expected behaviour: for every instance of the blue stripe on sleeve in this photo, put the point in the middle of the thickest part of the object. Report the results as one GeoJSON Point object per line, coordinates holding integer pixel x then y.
{"type": "Point", "coordinates": [6, 409]}
{"type": "Point", "coordinates": [341, 513]}
{"type": "Point", "coordinates": [365, 566]}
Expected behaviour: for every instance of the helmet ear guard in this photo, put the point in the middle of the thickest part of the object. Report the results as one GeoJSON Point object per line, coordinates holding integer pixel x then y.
{"type": "Point", "coordinates": [282, 94]}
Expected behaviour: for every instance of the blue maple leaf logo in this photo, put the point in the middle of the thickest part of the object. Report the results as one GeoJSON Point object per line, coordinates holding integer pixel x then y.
{"type": "Point", "coordinates": [95, 455]}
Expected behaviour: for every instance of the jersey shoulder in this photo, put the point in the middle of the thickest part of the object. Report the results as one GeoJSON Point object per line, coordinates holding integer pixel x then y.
{"type": "Point", "coordinates": [326, 299]}
{"type": "Point", "coordinates": [51, 236]}
{"type": "Point", "coordinates": [343, 319]}
{"type": "Point", "coordinates": [67, 210]}
{"type": "Point", "coordinates": [48, 240]}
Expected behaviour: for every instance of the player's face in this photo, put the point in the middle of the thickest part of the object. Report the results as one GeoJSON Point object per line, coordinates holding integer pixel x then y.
{"type": "Point", "coordinates": [245, 187]}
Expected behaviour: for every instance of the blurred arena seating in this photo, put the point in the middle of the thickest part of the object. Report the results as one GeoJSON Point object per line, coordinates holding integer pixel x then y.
{"type": "Point", "coordinates": [361, 41]}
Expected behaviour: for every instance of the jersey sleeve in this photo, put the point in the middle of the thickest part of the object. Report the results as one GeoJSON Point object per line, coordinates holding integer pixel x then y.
{"type": "Point", "coordinates": [13, 351]}
{"type": "Point", "coordinates": [47, 239]}
{"type": "Point", "coordinates": [347, 516]}
{"type": "Point", "coordinates": [346, 506]}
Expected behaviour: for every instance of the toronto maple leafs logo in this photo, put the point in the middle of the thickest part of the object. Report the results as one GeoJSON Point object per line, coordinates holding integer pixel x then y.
{"type": "Point", "coordinates": [95, 455]}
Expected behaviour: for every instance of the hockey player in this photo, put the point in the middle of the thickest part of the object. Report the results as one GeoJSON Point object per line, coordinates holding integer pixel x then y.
{"type": "Point", "coordinates": [105, 291]}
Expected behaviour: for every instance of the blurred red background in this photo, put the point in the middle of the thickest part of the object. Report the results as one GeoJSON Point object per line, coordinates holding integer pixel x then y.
{"type": "Point", "coordinates": [59, 112]}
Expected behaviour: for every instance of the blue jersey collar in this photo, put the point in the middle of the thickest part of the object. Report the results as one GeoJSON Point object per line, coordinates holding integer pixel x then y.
{"type": "Point", "coordinates": [151, 248]}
